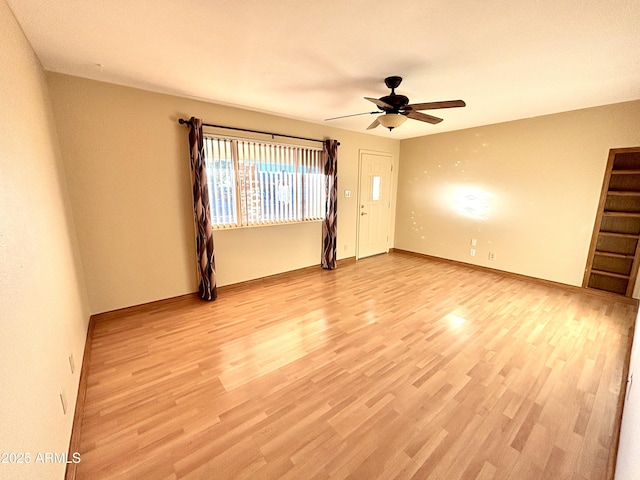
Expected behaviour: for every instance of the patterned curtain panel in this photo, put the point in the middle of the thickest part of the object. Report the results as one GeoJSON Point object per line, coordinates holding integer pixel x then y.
{"type": "Point", "coordinates": [202, 211]}
{"type": "Point", "coordinates": [329, 226]}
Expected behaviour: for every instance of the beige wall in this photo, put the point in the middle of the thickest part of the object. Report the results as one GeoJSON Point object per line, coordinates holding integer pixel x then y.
{"type": "Point", "coordinates": [128, 174]}
{"type": "Point", "coordinates": [539, 178]}
{"type": "Point", "coordinates": [43, 306]}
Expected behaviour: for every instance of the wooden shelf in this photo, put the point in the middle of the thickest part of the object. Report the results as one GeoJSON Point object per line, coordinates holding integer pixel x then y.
{"type": "Point", "coordinates": [624, 193]}
{"type": "Point", "coordinates": [614, 255]}
{"type": "Point", "coordinates": [621, 214]}
{"type": "Point", "coordinates": [625, 172]}
{"type": "Point", "coordinates": [609, 274]}
{"type": "Point", "coordinates": [621, 235]}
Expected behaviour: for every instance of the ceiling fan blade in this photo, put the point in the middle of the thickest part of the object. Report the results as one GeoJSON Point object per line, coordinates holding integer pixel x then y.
{"type": "Point", "coordinates": [436, 105]}
{"type": "Point", "coordinates": [423, 117]}
{"type": "Point", "coordinates": [379, 102]}
{"type": "Point", "coordinates": [352, 115]}
{"type": "Point", "coordinates": [373, 125]}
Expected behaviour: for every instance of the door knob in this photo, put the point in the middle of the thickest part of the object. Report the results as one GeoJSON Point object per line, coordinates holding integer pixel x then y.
{"type": "Point", "coordinates": [363, 213]}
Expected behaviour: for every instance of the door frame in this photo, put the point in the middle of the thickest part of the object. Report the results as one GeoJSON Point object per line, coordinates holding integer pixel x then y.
{"type": "Point", "coordinates": [392, 156]}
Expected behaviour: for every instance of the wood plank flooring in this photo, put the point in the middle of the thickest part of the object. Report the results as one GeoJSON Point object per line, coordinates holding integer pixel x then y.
{"type": "Point", "coordinates": [391, 367]}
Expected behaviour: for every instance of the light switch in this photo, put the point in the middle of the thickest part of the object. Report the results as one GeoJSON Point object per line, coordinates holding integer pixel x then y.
{"type": "Point", "coordinates": [347, 193]}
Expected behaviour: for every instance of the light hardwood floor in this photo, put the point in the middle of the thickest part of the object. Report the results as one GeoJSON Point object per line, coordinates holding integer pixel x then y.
{"type": "Point", "coordinates": [391, 367]}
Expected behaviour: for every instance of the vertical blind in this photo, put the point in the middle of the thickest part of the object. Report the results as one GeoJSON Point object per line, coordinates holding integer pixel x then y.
{"type": "Point", "coordinates": [259, 183]}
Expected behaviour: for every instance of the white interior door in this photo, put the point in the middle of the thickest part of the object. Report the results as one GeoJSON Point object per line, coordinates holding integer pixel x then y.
{"type": "Point", "coordinates": [374, 204]}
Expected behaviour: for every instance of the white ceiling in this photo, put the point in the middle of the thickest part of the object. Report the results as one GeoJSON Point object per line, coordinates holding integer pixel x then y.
{"type": "Point", "coordinates": [315, 59]}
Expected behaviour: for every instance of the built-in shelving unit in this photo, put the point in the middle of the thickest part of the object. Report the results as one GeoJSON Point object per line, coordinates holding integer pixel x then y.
{"type": "Point", "coordinates": [615, 247]}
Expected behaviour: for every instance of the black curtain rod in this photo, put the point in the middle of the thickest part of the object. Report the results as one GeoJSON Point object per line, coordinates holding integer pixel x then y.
{"type": "Point", "coordinates": [182, 121]}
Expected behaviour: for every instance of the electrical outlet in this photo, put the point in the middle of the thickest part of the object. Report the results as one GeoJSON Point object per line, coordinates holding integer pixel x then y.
{"type": "Point", "coordinates": [492, 255]}
{"type": "Point", "coordinates": [472, 252]}
{"type": "Point", "coordinates": [63, 400]}
{"type": "Point", "coordinates": [72, 364]}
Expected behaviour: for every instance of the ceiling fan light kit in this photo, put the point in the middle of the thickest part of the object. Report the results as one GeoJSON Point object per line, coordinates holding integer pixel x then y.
{"type": "Point", "coordinates": [391, 120]}
{"type": "Point", "coordinates": [396, 108]}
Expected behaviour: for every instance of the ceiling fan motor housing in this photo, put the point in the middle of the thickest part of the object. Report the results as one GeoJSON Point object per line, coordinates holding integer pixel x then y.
{"type": "Point", "coordinates": [397, 102]}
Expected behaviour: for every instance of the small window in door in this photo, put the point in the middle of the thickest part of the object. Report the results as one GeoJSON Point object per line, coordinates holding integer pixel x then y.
{"type": "Point", "coordinates": [375, 188]}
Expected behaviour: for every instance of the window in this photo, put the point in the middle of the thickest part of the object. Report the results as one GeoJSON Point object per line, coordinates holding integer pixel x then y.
{"type": "Point", "coordinates": [257, 183]}
{"type": "Point", "coordinates": [375, 188]}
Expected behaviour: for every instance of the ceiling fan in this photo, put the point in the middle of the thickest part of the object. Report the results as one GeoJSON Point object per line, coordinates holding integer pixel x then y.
{"type": "Point", "coordinates": [396, 108]}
